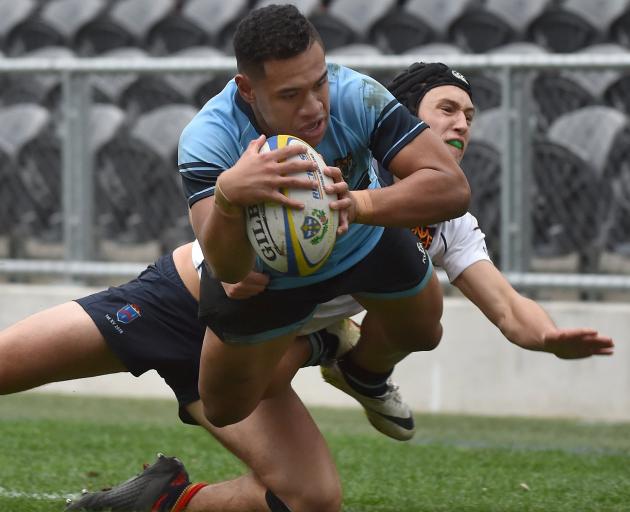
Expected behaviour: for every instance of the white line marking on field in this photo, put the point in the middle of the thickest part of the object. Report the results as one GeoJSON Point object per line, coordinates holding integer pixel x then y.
{"type": "Point", "coordinates": [45, 496]}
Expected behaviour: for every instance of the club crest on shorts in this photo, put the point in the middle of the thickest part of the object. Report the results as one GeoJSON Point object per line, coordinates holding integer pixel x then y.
{"type": "Point", "coordinates": [128, 313]}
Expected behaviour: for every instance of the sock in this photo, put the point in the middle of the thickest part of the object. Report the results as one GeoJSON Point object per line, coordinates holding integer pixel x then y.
{"type": "Point", "coordinates": [274, 503]}
{"type": "Point", "coordinates": [361, 380]}
{"type": "Point", "coordinates": [323, 347]}
{"type": "Point", "coordinates": [187, 495]}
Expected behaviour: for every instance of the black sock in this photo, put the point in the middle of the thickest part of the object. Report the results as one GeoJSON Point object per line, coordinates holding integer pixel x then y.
{"type": "Point", "coordinates": [323, 347]}
{"type": "Point", "coordinates": [361, 380]}
{"type": "Point", "coordinates": [274, 503]}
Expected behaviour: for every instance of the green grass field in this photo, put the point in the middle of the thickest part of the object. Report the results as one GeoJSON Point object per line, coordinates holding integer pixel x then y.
{"type": "Point", "coordinates": [54, 446]}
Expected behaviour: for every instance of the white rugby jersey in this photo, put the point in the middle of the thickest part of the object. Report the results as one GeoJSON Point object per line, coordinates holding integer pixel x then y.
{"type": "Point", "coordinates": [453, 246]}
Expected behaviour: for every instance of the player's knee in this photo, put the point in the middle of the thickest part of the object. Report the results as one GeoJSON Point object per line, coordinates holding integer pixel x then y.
{"type": "Point", "coordinates": [317, 499]}
{"type": "Point", "coordinates": [222, 418]}
{"type": "Point", "coordinates": [427, 339]}
{"type": "Point", "coordinates": [433, 338]}
{"type": "Point", "coordinates": [222, 415]}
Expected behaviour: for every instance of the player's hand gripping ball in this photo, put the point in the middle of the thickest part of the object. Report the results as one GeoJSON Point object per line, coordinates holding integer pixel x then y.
{"type": "Point", "coordinates": [295, 242]}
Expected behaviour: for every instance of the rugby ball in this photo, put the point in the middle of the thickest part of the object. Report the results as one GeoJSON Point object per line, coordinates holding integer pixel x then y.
{"type": "Point", "coordinates": [295, 242]}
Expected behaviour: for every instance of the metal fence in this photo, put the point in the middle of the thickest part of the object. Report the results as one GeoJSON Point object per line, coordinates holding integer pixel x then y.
{"type": "Point", "coordinates": [90, 188]}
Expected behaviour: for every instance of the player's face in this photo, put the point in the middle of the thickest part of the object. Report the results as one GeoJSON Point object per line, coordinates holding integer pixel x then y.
{"type": "Point", "coordinates": [292, 98]}
{"type": "Point", "coordinates": [449, 112]}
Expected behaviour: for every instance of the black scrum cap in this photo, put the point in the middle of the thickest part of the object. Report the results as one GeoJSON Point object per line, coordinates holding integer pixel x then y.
{"type": "Point", "coordinates": [410, 86]}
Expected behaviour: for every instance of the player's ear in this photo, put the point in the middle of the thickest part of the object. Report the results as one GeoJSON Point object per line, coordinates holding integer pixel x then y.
{"type": "Point", "coordinates": [245, 89]}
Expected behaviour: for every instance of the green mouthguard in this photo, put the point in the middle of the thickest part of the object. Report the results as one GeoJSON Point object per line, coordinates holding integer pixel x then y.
{"type": "Point", "coordinates": [456, 143]}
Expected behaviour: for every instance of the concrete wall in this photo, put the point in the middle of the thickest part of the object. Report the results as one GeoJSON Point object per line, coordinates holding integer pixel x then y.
{"type": "Point", "coordinates": [475, 370]}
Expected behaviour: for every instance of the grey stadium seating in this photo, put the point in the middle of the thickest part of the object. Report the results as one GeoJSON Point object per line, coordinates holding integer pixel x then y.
{"type": "Point", "coordinates": [416, 23]}
{"type": "Point", "coordinates": [493, 23]}
{"type": "Point", "coordinates": [160, 130]}
{"type": "Point", "coordinates": [482, 165]}
{"type": "Point", "coordinates": [570, 25]}
{"type": "Point", "coordinates": [574, 196]}
{"type": "Point", "coordinates": [125, 23]}
{"type": "Point", "coordinates": [33, 146]}
{"type": "Point", "coordinates": [601, 136]}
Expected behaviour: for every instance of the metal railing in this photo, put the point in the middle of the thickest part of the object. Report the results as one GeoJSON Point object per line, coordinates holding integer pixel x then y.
{"type": "Point", "coordinates": [77, 175]}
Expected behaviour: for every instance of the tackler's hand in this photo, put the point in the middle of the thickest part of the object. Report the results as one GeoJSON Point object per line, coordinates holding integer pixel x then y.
{"type": "Point", "coordinates": [253, 284]}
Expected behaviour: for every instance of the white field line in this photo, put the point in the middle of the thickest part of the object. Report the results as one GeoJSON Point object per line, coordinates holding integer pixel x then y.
{"type": "Point", "coordinates": [43, 496]}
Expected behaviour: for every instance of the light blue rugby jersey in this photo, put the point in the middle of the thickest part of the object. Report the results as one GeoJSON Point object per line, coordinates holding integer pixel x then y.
{"type": "Point", "coordinates": [365, 121]}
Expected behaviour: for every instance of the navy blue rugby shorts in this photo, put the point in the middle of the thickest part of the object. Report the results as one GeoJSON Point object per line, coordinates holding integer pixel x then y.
{"type": "Point", "coordinates": [397, 267]}
{"type": "Point", "coordinates": [151, 323]}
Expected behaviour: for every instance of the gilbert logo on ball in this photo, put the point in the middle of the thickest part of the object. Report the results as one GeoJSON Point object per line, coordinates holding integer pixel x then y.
{"type": "Point", "coordinates": [295, 242]}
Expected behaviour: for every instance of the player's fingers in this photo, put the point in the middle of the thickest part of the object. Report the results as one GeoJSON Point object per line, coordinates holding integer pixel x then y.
{"type": "Point", "coordinates": [340, 189]}
{"type": "Point", "coordinates": [256, 144]}
{"type": "Point", "coordinates": [295, 166]}
{"type": "Point", "coordinates": [344, 222]}
{"type": "Point", "coordinates": [296, 182]}
{"type": "Point", "coordinates": [257, 278]}
{"type": "Point", "coordinates": [341, 204]}
{"type": "Point", "coordinates": [281, 154]}
{"type": "Point", "coordinates": [335, 173]}
{"type": "Point", "coordinates": [575, 333]}
{"type": "Point", "coordinates": [280, 198]}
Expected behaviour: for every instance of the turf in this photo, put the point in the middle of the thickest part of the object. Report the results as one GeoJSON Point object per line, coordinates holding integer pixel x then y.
{"type": "Point", "coordinates": [56, 445]}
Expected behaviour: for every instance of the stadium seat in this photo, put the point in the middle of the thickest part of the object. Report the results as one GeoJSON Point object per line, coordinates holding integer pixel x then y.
{"type": "Point", "coordinates": [137, 169]}
{"type": "Point", "coordinates": [150, 91]}
{"type": "Point", "coordinates": [106, 123]}
{"type": "Point", "coordinates": [125, 23]}
{"type": "Point", "coordinates": [216, 18]}
{"type": "Point", "coordinates": [45, 86]}
{"type": "Point", "coordinates": [160, 130]}
{"type": "Point", "coordinates": [493, 23]}
{"type": "Point", "coordinates": [28, 138]}
{"type": "Point", "coordinates": [108, 88]}
{"type": "Point", "coordinates": [128, 174]}
{"type": "Point", "coordinates": [556, 93]}
{"type": "Point", "coordinates": [361, 16]}
{"type": "Point", "coordinates": [574, 24]}
{"type": "Point", "coordinates": [619, 30]}
{"type": "Point", "coordinates": [13, 13]}
{"type": "Point", "coordinates": [198, 88]}
{"type": "Point", "coordinates": [575, 178]}
{"type": "Point", "coordinates": [601, 136]}
{"type": "Point", "coordinates": [306, 7]}
{"type": "Point", "coordinates": [334, 32]}
{"type": "Point", "coordinates": [482, 166]}
{"type": "Point", "coordinates": [611, 86]}
{"type": "Point", "coordinates": [416, 23]}
{"type": "Point", "coordinates": [31, 34]}
{"type": "Point", "coordinates": [55, 25]}
{"type": "Point", "coordinates": [425, 52]}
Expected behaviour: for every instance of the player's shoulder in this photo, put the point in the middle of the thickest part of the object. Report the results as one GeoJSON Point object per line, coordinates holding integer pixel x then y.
{"type": "Point", "coordinates": [218, 120]}
{"type": "Point", "coordinates": [349, 87]}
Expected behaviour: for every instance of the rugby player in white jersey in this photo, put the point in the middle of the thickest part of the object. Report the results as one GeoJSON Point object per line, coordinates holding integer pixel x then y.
{"type": "Point", "coordinates": [443, 98]}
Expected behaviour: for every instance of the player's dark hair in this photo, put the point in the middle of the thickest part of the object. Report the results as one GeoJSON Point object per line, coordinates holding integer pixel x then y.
{"type": "Point", "coordinates": [410, 86]}
{"type": "Point", "coordinates": [274, 32]}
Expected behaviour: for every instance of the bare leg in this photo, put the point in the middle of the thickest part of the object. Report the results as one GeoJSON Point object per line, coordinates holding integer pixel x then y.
{"type": "Point", "coordinates": [60, 343]}
{"type": "Point", "coordinates": [233, 379]}
{"type": "Point", "coordinates": [287, 454]}
{"type": "Point", "coordinates": [394, 328]}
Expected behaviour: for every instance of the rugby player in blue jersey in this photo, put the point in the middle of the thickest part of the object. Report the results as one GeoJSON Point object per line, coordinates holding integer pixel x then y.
{"type": "Point", "coordinates": [284, 85]}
